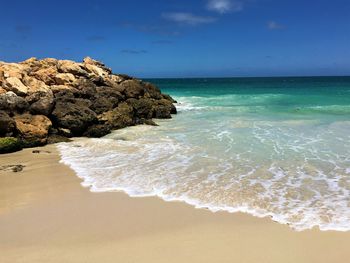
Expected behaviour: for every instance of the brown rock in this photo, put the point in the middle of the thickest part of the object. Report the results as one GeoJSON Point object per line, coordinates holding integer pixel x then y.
{"type": "Point", "coordinates": [47, 75]}
{"type": "Point", "coordinates": [152, 91]}
{"type": "Point", "coordinates": [133, 89]}
{"type": "Point", "coordinates": [15, 85]}
{"type": "Point", "coordinates": [98, 130]}
{"type": "Point", "coordinates": [71, 116]}
{"type": "Point", "coordinates": [162, 109]}
{"type": "Point", "coordinates": [7, 124]}
{"type": "Point", "coordinates": [35, 85]}
{"type": "Point", "coordinates": [10, 102]}
{"type": "Point", "coordinates": [33, 129]}
{"type": "Point", "coordinates": [68, 66]}
{"type": "Point", "coordinates": [90, 61]}
{"type": "Point", "coordinates": [64, 78]}
{"type": "Point", "coordinates": [143, 107]}
{"type": "Point", "coordinates": [12, 70]}
{"type": "Point", "coordinates": [41, 103]}
{"type": "Point", "coordinates": [120, 117]}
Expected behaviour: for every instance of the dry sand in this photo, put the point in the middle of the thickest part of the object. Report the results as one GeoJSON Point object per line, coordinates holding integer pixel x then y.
{"type": "Point", "coordinates": [46, 216]}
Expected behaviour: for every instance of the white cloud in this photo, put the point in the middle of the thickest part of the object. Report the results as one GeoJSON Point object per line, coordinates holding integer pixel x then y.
{"type": "Point", "coordinates": [225, 6]}
{"type": "Point", "coordinates": [273, 25]}
{"type": "Point", "coordinates": [188, 18]}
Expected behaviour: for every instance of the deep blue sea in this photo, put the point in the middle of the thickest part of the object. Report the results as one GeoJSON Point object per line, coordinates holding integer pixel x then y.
{"type": "Point", "coordinates": [277, 147]}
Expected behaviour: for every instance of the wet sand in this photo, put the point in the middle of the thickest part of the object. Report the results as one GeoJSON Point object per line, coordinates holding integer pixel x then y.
{"type": "Point", "coordinates": [46, 216]}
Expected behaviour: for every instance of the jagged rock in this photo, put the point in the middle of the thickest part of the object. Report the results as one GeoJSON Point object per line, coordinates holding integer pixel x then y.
{"type": "Point", "coordinates": [15, 85]}
{"type": "Point", "coordinates": [7, 124]}
{"type": "Point", "coordinates": [64, 78]}
{"type": "Point", "coordinates": [10, 102]}
{"type": "Point", "coordinates": [152, 91]}
{"type": "Point", "coordinates": [120, 117]}
{"type": "Point", "coordinates": [84, 88]}
{"type": "Point", "coordinates": [33, 129]}
{"type": "Point", "coordinates": [35, 85]}
{"type": "Point", "coordinates": [98, 130]}
{"type": "Point", "coordinates": [74, 117]}
{"type": "Point", "coordinates": [133, 89]}
{"type": "Point", "coordinates": [163, 109]}
{"type": "Point", "coordinates": [143, 107]}
{"type": "Point", "coordinates": [41, 103]}
{"type": "Point", "coordinates": [76, 98]}
{"type": "Point", "coordinates": [167, 97]}
{"type": "Point", "coordinates": [90, 61]}
{"type": "Point", "coordinates": [8, 70]}
{"type": "Point", "coordinates": [47, 75]}
{"type": "Point", "coordinates": [68, 66]}
{"type": "Point", "coordinates": [103, 104]}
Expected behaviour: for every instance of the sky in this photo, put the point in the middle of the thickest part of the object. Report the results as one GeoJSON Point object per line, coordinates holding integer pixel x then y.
{"type": "Point", "coordinates": [184, 38]}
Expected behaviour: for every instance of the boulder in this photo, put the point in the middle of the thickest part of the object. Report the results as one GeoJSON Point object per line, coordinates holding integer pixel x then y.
{"type": "Point", "coordinates": [167, 97]}
{"type": "Point", "coordinates": [35, 85]}
{"type": "Point", "coordinates": [56, 99]}
{"type": "Point", "coordinates": [9, 145]}
{"type": "Point", "coordinates": [8, 70]}
{"type": "Point", "coordinates": [84, 88]}
{"type": "Point", "coordinates": [74, 117]}
{"type": "Point", "coordinates": [68, 66]}
{"type": "Point", "coordinates": [98, 130]}
{"type": "Point", "coordinates": [46, 75]}
{"type": "Point", "coordinates": [103, 104]}
{"type": "Point", "coordinates": [10, 102]}
{"type": "Point", "coordinates": [33, 129]}
{"type": "Point", "coordinates": [162, 109]}
{"type": "Point", "coordinates": [120, 117]}
{"type": "Point", "coordinates": [143, 107]}
{"type": "Point", "coordinates": [90, 61]}
{"type": "Point", "coordinates": [7, 124]}
{"type": "Point", "coordinates": [15, 85]}
{"type": "Point", "coordinates": [133, 89]}
{"type": "Point", "coordinates": [41, 103]}
{"type": "Point", "coordinates": [64, 78]}
{"type": "Point", "coordinates": [152, 91]}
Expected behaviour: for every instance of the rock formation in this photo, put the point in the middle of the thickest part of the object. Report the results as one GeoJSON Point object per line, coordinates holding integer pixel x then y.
{"type": "Point", "coordinates": [50, 100]}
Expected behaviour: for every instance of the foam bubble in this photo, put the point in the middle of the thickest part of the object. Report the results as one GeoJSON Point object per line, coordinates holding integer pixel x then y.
{"type": "Point", "coordinates": [212, 156]}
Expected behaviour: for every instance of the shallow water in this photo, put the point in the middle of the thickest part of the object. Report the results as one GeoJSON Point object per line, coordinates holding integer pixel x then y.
{"type": "Point", "coordinates": [277, 147]}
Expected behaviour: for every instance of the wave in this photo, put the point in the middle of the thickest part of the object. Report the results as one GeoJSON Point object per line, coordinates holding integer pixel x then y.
{"type": "Point", "coordinates": [263, 168]}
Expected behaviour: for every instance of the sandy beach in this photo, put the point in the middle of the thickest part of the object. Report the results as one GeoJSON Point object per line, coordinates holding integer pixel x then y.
{"type": "Point", "coordinates": [47, 216]}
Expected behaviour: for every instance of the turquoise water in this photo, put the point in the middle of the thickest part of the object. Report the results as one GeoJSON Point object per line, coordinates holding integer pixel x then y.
{"type": "Point", "coordinates": [277, 147]}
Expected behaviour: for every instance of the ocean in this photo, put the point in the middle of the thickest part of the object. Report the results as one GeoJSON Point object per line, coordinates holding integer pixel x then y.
{"type": "Point", "coordinates": [276, 147]}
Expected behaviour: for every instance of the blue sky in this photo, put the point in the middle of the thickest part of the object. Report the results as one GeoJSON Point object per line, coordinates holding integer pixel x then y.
{"type": "Point", "coordinates": [184, 38]}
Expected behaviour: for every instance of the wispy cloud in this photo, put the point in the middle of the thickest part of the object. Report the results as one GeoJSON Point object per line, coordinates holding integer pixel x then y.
{"type": "Point", "coordinates": [188, 18]}
{"type": "Point", "coordinates": [273, 25]}
{"type": "Point", "coordinates": [134, 51]}
{"type": "Point", "coordinates": [224, 6]}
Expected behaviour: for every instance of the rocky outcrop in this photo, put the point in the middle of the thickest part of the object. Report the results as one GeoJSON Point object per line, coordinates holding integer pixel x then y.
{"type": "Point", "coordinates": [49, 100]}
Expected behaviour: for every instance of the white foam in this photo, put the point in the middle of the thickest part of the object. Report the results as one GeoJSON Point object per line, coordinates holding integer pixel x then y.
{"type": "Point", "coordinates": [292, 171]}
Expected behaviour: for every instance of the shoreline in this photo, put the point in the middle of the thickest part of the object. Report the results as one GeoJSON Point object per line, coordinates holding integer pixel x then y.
{"type": "Point", "coordinates": [47, 216]}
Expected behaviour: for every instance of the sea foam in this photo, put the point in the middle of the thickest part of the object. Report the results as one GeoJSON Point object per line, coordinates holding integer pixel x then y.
{"type": "Point", "coordinates": [265, 155]}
